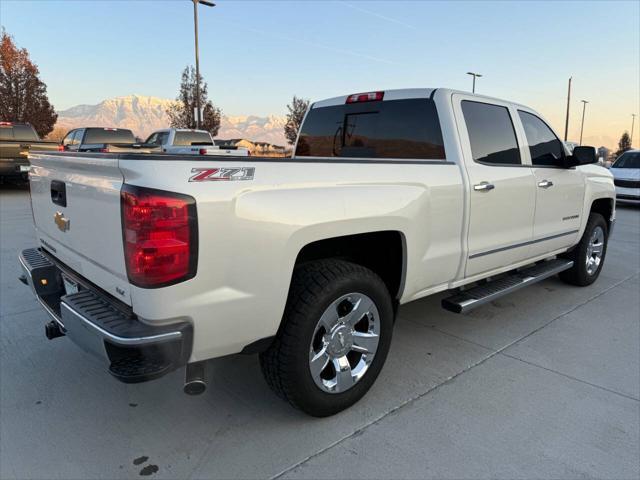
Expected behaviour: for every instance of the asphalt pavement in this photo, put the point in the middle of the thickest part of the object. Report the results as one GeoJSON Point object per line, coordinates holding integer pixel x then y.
{"type": "Point", "coordinates": [543, 383]}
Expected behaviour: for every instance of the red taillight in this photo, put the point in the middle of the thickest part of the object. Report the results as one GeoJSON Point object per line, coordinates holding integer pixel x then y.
{"type": "Point", "coordinates": [160, 235]}
{"type": "Point", "coordinates": [202, 151]}
{"type": "Point", "coordinates": [61, 148]}
{"type": "Point", "coordinates": [365, 97]}
{"type": "Point", "coordinates": [104, 150]}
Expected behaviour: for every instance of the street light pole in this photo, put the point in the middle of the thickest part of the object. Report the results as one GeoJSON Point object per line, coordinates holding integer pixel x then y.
{"type": "Point", "coordinates": [195, 28]}
{"type": "Point", "coordinates": [566, 121]}
{"type": "Point", "coordinates": [584, 106]}
{"type": "Point", "coordinates": [474, 75]}
{"type": "Point", "coordinates": [633, 123]}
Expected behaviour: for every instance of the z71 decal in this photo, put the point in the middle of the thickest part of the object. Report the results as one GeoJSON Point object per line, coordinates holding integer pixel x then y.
{"type": "Point", "coordinates": [221, 174]}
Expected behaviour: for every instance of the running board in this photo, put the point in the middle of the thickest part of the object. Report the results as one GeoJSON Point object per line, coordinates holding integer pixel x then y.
{"type": "Point", "coordinates": [474, 297]}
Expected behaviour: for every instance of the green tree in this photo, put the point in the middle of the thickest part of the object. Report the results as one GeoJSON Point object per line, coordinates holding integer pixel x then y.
{"type": "Point", "coordinates": [624, 144]}
{"type": "Point", "coordinates": [23, 96]}
{"type": "Point", "coordinates": [181, 113]}
{"type": "Point", "coordinates": [297, 109]}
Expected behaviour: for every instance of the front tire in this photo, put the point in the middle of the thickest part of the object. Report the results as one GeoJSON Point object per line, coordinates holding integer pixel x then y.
{"type": "Point", "coordinates": [588, 256]}
{"type": "Point", "coordinates": [334, 338]}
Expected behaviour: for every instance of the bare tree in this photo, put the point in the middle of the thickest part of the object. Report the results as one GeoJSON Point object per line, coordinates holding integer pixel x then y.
{"type": "Point", "coordinates": [23, 96]}
{"type": "Point", "coordinates": [297, 109]}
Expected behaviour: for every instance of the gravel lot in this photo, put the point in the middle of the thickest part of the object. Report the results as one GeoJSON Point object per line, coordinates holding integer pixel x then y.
{"type": "Point", "coordinates": [543, 383]}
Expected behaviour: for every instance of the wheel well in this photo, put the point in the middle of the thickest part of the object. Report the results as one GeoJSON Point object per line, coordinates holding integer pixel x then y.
{"type": "Point", "coordinates": [603, 206]}
{"type": "Point", "coordinates": [381, 252]}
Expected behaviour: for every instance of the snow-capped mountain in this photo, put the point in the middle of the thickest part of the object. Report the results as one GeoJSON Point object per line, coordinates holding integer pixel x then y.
{"type": "Point", "coordinates": [145, 114]}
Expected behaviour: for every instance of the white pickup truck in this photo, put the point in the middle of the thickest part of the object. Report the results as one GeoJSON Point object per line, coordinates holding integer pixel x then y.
{"type": "Point", "coordinates": [178, 141]}
{"type": "Point", "coordinates": [154, 262]}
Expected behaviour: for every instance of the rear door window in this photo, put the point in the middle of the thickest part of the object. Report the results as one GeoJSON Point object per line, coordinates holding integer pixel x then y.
{"type": "Point", "coordinates": [392, 129]}
{"type": "Point", "coordinates": [545, 148]}
{"type": "Point", "coordinates": [192, 138]}
{"type": "Point", "coordinates": [491, 133]}
{"type": "Point", "coordinates": [108, 135]}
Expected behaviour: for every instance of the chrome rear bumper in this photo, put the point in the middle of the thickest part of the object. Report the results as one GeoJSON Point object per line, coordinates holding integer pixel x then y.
{"type": "Point", "coordinates": [103, 326]}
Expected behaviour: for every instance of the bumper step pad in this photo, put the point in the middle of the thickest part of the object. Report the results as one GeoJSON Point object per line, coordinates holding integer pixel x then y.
{"type": "Point", "coordinates": [474, 297]}
{"type": "Point", "coordinates": [139, 368]}
{"type": "Point", "coordinates": [104, 326]}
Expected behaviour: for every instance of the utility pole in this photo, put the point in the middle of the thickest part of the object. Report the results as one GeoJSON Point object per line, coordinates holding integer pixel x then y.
{"type": "Point", "coordinates": [474, 75]}
{"type": "Point", "coordinates": [584, 106]}
{"type": "Point", "coordinates": [633, 123]}
{"type": "Point", "coordinates": [195, 28]}
{"type": "Point", "coordinates": [566, 122]}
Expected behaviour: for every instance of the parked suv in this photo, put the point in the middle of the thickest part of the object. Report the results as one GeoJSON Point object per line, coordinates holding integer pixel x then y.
{"type": "Point", "coordinates": [626, 176]}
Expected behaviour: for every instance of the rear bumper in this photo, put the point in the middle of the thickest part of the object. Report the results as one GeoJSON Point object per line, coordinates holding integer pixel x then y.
{"type": "Point", "coordinates": [102, 326]}
{"type": "Point", "coordinates": [10, 167]}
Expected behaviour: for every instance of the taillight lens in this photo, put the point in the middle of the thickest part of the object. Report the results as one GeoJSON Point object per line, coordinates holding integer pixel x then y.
{"type": "Point", "coordinates": [61, 148]}
{"type": "Point", "coordinates": [202, 151]}
{"type": "Point", "coordinates": [160, 235]}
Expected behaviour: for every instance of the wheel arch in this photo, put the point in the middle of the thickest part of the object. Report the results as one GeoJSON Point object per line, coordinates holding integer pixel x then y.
{"type": "Point", "coordinates": [384, 252]}
{"type": "Point", "coordinates": [605, 207]}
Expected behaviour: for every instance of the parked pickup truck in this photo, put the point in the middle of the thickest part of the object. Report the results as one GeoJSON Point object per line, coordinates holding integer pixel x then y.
{"type": "Point", "coordinates": [154, 262]}
{"type": "Point", "coordinates": [16, 140]}
{"type": "Point", "coordinates": [103, 140]}
{"type": "Point", "coordinates": [190, 142]}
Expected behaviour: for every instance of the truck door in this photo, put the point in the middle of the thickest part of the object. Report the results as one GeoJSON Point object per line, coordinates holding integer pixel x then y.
{"type": "Point", "coordinates": [502, 186]}
{"type": "Point", "coordinates": [559, 190]}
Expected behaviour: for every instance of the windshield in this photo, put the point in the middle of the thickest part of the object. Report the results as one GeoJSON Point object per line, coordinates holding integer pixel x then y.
{"type": "Point", "coordinates": [628, 160]}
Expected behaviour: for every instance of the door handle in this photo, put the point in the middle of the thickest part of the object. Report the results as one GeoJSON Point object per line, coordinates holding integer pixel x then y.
{"type": "Point", "coordinates": [483, 187]}
{"type": "Point", "coordinates": [59, 193]}
{"type": "Point", "coordinates": [545, 184]}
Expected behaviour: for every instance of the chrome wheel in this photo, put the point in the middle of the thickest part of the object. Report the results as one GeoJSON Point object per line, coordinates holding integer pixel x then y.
{"type": "Point", "coordinates": [344, 342]}
{"type": "Point", "coordinates": [595, 249]}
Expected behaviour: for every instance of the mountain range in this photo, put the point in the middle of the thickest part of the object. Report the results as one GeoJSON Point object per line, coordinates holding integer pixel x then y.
{"type": "Point", "coordinates": [143, 115]}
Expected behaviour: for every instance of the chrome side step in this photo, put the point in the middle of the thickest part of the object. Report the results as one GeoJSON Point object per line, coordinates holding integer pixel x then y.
{"type": "Point", "coordinates": [474, 297]}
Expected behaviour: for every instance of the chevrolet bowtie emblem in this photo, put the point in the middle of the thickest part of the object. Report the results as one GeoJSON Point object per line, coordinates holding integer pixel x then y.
{"type": "Point", "coordinates": [62, 223]}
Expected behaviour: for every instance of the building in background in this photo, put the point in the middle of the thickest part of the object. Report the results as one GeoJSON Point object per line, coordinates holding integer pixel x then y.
{"type": "Point", "coordinates": [258, 149]}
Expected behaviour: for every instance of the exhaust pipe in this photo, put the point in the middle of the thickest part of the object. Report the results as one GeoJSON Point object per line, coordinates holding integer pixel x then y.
{"type": "Point", "coordinates": [52, 330]}
{"type": "Point", "coordinates": [194, 383]}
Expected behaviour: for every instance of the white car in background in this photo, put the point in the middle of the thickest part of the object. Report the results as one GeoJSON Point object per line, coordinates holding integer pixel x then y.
{"type": "Point", "coordinates": [180, 141]}
{"type": "Point", "coordinates": [626, 176]}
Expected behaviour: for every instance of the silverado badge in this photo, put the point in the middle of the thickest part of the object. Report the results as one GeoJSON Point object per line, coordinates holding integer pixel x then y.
{"type": "Point", "coordinates": [62, 223]}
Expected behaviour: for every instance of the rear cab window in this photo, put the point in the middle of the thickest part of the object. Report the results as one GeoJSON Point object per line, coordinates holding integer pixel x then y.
{"type": "Point", "coordinates": [108, 135]}
{"type": "Point", "coordinates": [192, 138]}
{"type": "Point", "coordinates": [545, 148]}
{"type": "Point", "coordinates": [491, 133]}
{"type": "Point", "coordinates": [391, 129]}
{"type": "Point", "coordinates": [18, 133]}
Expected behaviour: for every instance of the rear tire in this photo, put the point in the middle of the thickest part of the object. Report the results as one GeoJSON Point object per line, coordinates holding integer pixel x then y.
{"type": "Point", "coordinates": [334, 338]}
{"type": "Point", "coordinates": [588, 256]}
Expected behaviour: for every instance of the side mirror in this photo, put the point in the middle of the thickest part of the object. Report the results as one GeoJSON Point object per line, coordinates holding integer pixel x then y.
{"type": "Point", "coordinates": [581, 156]}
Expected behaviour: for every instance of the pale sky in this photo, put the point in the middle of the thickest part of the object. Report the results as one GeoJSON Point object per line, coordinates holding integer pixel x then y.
{"type": "Point", "coordinates": [255, 55]}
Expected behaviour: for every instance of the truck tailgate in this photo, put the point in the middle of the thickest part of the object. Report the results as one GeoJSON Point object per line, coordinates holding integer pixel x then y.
{"type": "Point", "coordinates": [76, 210]}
